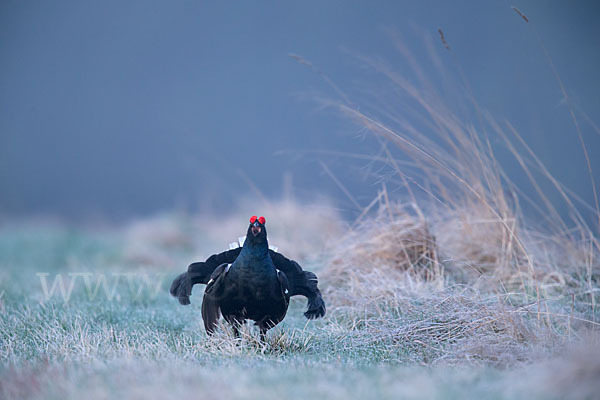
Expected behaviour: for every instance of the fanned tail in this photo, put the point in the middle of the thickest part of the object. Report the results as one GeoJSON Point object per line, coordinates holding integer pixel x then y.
{"type": "Point", "coordinates": [211, 309]}
{"type": "Point", "coordinates": [211, 312]}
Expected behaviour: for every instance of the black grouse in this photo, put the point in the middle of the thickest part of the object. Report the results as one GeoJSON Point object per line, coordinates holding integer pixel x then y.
{"type": "Point", "coordinates": [251, 282]}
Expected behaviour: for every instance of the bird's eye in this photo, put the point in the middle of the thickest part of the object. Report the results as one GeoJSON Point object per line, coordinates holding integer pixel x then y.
{"type": "Point", "coordinates": [253, 219]}
{"type": "Point", "coordinates": [262, 220]}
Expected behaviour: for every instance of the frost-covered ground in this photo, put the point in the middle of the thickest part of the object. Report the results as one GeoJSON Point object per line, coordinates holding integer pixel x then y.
{"type": "Point", "coordinates": [392, 329]}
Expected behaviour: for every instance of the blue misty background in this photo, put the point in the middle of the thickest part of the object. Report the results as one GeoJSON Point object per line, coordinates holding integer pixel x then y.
{"type": "Point", "coordinates": [125, 108]}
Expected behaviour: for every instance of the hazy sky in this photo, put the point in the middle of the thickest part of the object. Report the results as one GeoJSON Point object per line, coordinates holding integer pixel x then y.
{"type": "Point", "coordinates": [119, 108]}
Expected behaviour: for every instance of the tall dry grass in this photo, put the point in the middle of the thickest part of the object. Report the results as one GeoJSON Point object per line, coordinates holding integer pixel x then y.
{"type": "Point", "coordinates": [454, 266]}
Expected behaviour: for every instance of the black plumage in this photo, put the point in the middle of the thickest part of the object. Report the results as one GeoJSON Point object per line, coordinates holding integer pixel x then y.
{"type": "Point", "coordinates": [251, 282]}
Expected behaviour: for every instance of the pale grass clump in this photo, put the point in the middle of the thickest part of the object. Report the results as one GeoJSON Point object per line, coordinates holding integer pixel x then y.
{"type": "Point", "coordinates": [378, 255]}
{"type": "Point", "coordinates": [475, 243]}
{"type": "Point", "coordinates": [398, 242]}
{"type": "Point", "coordinates": [387, 286]}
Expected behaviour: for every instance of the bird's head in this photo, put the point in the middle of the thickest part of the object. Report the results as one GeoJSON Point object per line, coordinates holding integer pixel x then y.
{"type": "Point", "coordinates": [257, 230]}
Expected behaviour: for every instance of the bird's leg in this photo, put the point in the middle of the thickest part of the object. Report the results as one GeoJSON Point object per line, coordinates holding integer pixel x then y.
{"type": "Point", "coordinates": [237, 323]}
{"type": "Point", "coordinates": [263, 325]}
{"type": "Point", "coordinates": [263, 335]}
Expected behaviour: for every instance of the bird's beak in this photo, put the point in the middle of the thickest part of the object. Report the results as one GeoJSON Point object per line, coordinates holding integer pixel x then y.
{"type": "Point", "coordinates": [256, 229]}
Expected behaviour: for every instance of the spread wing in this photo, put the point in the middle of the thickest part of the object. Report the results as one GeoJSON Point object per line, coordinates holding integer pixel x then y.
{"type": "Point", "coordinates": [300, 282]}
{"type": "Point", "coordinates": [200, 272]}
{"type": "Point", "coordinates": [303, 283]}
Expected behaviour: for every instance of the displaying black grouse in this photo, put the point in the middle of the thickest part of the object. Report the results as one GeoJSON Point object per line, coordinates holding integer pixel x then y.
{"type": "Point", "coordinates": [251, 282]}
